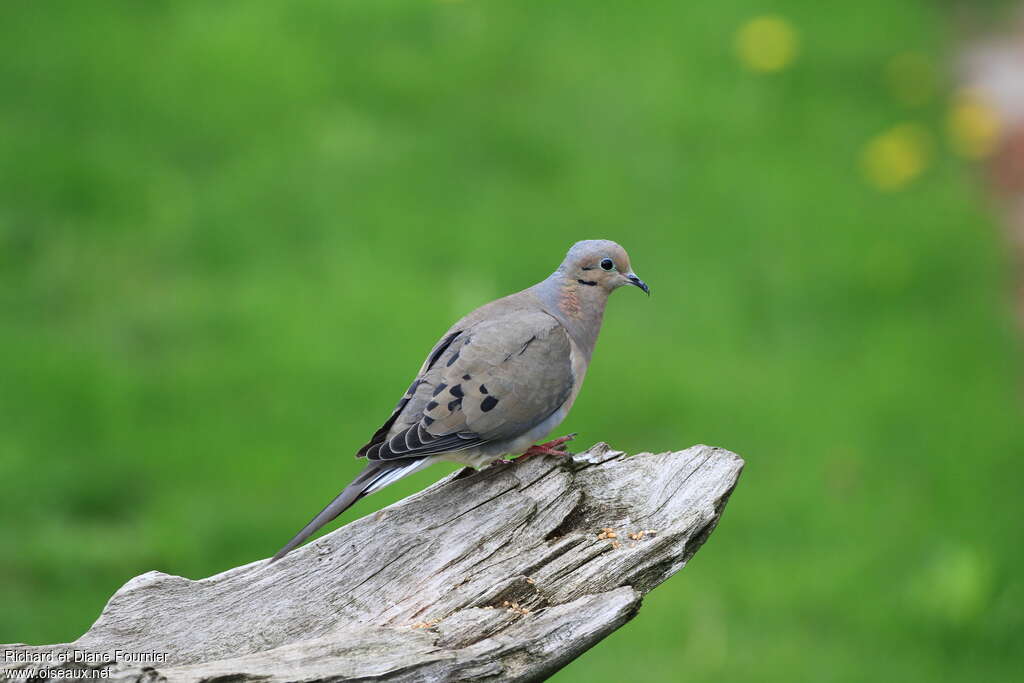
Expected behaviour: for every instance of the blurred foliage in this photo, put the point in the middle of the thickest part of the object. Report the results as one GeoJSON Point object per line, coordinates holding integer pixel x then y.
{"type": "Point", "coordinates": [230, 231]}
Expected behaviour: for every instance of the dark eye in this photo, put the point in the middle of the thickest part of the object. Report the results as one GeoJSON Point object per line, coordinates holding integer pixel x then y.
{"type": "Point", "coordinates": [607, 264]}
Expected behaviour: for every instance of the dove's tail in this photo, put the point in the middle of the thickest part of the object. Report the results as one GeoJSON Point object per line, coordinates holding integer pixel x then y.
{"type": "Point", "coordinates": [374, 477]}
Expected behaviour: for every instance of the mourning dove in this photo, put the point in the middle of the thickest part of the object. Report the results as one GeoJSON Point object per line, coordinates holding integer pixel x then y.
{"type": "Point", "coordinates": [499, 379]}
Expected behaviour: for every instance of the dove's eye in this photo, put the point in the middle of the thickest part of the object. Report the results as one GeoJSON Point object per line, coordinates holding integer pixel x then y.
{"type": "Point", "coordinates": [607, 264]}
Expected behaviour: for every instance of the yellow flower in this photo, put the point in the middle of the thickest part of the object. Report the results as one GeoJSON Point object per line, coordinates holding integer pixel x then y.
{"type": "Point", "coordinates": [767, 44]}
{"type": "Point", "coordinates": [894, 158]}
{"type": "Point", "coordinates": [973, 125]}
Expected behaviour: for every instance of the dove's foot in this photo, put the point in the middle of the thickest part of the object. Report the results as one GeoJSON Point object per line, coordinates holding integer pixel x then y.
{"type": "Point", "coordinates": [553, 447]}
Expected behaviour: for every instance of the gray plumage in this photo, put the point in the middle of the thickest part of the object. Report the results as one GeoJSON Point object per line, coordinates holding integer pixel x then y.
{"type": "Point", "coordinates": [498, 380]}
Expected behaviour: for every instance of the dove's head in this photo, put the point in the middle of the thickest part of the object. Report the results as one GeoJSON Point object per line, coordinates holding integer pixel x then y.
{"type": "Point", "coordinates": [600, 263]}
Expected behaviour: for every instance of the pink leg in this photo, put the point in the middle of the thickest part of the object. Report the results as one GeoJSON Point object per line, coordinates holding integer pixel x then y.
{"type": "Point", "coordinates": [553, 447]}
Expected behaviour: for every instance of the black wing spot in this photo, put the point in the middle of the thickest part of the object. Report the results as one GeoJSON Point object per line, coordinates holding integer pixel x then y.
{"type": "Point", "coordinates": [466, 377]}
{"type": "Point", "coordinates": [483, 389]}
{"type": "Point", "coordinates": [439, 389]}
{"type": "Point", "coordinates": [431, 405]}
{"type": "Point", "coordinates": [453, 405]}
{"type": "Point", "coordinates": [427, 420]}
{"type": "Point", "coordinates": [451, 361]}
{"type": "Point", "coordinates": [457, 391]}
{"type": "Point", "coordinates": [488, 404]}
{"type": "Point", "coordinates": [412, 387]}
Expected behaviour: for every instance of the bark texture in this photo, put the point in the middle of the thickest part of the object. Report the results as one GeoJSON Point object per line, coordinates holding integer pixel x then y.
{"type": "Point", "coordinates": [501, 575]}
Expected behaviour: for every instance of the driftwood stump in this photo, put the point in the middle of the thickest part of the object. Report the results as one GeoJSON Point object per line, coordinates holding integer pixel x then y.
{"type": "Point", "coordinates": [501, 575]}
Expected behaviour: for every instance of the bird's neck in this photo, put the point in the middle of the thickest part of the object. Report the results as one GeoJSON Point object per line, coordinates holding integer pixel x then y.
{"type": "Point", "coordinates": [579, 307]}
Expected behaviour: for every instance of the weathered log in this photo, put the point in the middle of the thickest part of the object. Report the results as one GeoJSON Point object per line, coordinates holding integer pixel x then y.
{"type": "Point", "coordinates": [505, 574]}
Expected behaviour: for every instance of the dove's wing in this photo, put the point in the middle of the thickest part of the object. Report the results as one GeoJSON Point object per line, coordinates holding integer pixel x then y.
{"type": "Point", "coordinates": [486, 381]}
{"type": "Point", "coordinates": [492, 380]}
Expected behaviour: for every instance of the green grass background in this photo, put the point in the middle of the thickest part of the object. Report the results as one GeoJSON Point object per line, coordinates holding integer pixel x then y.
{"type": "Point", "coordinates": [230, 231]}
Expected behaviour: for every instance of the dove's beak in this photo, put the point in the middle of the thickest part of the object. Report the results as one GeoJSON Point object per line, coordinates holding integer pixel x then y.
{"type": "Point", "coordinates": [634, 280]}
